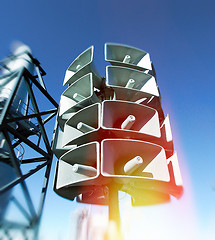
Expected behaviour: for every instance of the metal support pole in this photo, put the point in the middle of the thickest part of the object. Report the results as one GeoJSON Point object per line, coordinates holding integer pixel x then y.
{"type": "Point", "coordinates": [114, 230]}
{"type": "Point", "coordinates": [114, 214]}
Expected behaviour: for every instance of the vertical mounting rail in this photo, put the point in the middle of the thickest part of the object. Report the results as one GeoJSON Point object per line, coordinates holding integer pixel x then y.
{"type": "Point", "coordinates": [114, 213]}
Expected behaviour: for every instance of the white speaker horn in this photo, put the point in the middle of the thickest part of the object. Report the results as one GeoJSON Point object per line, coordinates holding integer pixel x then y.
{"type": "Point", "coordinates": [81, 66]}
{"type": "Point", "coordinates": [128, 116]}
{"type": "Point", "coordinates": [123, 55]}
{"type": "Point", "coordinates": [82, 126]}
{"type": "Point", "coordinates": [123, 77]}
{"type": "Point", "coordinates": [116, 153]}
{"type": "Point", "coordinates": [58, 144]}
{"type": "Point", "coordinates": [64, 106]}
{"type": "Point", "coordinates": [79, 166]}
{"type": "Point", "coordinates": [81, 94]}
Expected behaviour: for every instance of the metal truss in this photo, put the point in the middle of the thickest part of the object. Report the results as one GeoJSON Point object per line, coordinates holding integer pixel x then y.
{"type": "Point", "coordinates": [27, 129]}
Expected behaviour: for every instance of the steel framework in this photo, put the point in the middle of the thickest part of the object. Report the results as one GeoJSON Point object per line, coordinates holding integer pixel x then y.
{"type": "Point", "coordinates": [35, 138]}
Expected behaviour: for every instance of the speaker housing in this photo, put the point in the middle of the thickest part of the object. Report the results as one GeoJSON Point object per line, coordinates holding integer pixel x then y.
{"type": "Point", "coordinates": [120, 76]}
{"type": "Point", "coordinates": [81, 94]}
{"type": "Point", "coordinates": [155, 174]}
{"type": "Point", "coordinates": [81, 66]}
{"type": "Point", "coordinates": [114, 113]}
{"type": "Point", "coordinates": [113, 133]}
{"type": "Point", "coordinates": [106, 122]}
{"type": "Point", "coordinates": [67, 178]}
{"type": "Point", "coordinates": [123, 55]}
{"type": "Point", "coordinates": [116, 152]}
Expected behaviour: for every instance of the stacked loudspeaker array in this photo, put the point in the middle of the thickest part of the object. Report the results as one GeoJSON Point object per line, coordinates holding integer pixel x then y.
{"type": "Point", "coordinates": [112, 131]}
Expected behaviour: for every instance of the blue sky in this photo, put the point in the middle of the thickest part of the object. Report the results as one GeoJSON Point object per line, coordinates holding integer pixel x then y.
{"type": "Point", "coordinates": [180, 36]}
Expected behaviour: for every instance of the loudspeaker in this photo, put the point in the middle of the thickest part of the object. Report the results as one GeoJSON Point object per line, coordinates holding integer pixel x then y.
{"type": "Point", "coordinates": [81, 94]}
{"type": "Point", "coordinates": [133, 163]}
{"type": "Point", "coordinates": [123, 55]}
{"type": "Point", "coordinates": [113, 132]}
{"type": "Point", "coordinates": [77, 96]}
{"type": "Point", "coordinates": [81, 66]}
{"type": "Point", "coordinates": [128, 116]}
{"type": "Point", "coordinates": [78, 167]}
{"type": "Point", "coordinates": [134, 86]}
{"type": "Point", "coordinates": [130, 80]}
{"type": "Point", "coordinates": [82, 126]}
{"type": "Point", "coordinates": [58, 147]}
{"type": "Point", "coordinates": [63, 117]}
